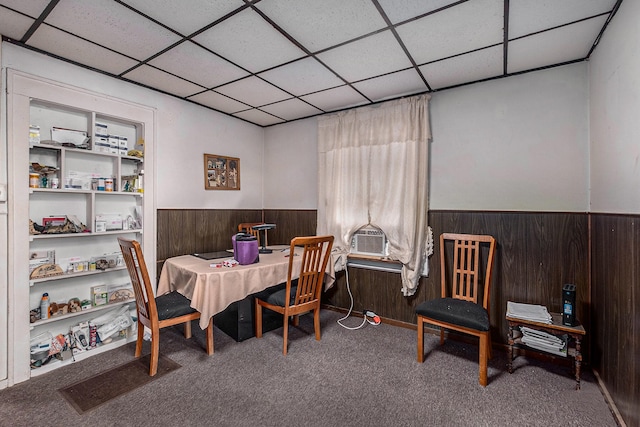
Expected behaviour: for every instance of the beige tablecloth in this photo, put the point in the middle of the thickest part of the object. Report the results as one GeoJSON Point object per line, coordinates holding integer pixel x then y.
{"type": "Point", "coordinates": [212, 289]}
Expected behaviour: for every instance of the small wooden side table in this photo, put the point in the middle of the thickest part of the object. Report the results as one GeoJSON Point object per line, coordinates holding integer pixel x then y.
{"type": "Point", "coordinates": [556, 328]}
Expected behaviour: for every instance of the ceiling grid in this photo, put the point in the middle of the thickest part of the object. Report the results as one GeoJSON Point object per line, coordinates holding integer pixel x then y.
{"type": "Point", "coordinates": [274, 61]}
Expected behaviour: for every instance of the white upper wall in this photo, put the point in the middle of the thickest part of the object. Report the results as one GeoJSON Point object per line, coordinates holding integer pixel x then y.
{"type": "Point", "coordinates": [615, 115]}
{"type": "Point", "coordinates": [291, 166]}
{"type": "Point", "coordinates": [519, 143]}
{"type": "Point", "coordinates": [184, 133]}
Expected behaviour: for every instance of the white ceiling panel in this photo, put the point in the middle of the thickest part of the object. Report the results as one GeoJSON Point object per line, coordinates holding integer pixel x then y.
{"type": "Point", "coordinates": [198, 13]}
{"type": "Point", "coordinates": [249, 41]}
{"type": "Point", "coordinates": [198, 65]}
{"type": "Point", "coordinates": [368, 57]}
{"type": "Point", "coordinates": [259, 117]}
{"type": "Point", "coordinates": [468, 26]}
{"type": "Point", "coordinates": [33, 8]}
{"type": "Point", "coordinates": [13, 24]}
{"type": "Point", "coordinates": [552, 47]}
{"type": "Point", "coordinates": [291, 109]}
{"type": "Point", "coordinates": [218, 102]}
{"type": "Point", "coordinates": [165, 82]}
{"type": "Point", "coordinates": [301, 77]}
{"type": "Point", "coordinates": [253, 91]}
{"type": "Point", "coordinates": [320, 24]}
{"type": "Point", "coordinates": [111, 25]}
{"type": "Point", "coordinates": [474, 66]}
{"type": "Point", "coordinates": [392, 85]}
{"type": "Point", "coordinates": [526, 16]}
{"type": "Point", "coordinates": [401, 10]}
{"type": "Point", "coordinates": [76, 49]}
{"type": "Point", "coordinates": [336, 98]}
{"type": "Point", "coordinates": [269, 61]}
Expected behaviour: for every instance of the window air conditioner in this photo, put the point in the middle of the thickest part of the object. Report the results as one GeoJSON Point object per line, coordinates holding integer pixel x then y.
{"type": "Point", "coordinates": [369, 241]}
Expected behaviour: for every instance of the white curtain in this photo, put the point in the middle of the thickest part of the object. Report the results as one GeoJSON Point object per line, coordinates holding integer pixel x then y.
{"type": "Point", "coordinates": [373, 169]}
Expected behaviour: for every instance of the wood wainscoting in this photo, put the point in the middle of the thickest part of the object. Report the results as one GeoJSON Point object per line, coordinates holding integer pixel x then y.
{"type": "Point", "coordinates": [537, 253]}
{"type": "Point", "coordinates": [615, 308]}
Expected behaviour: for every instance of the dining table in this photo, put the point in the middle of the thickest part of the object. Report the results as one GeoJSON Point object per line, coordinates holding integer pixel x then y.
{"type": "Point", "coordinates": [212, 285]}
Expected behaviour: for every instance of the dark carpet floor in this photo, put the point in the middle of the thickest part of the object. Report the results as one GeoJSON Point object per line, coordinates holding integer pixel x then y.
{"type": "Point", "coordinates": [350, 378]}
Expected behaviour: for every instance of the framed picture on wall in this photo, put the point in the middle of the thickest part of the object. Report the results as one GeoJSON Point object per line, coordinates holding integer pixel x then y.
{"type": "Point", "coordinates": [221, 172]}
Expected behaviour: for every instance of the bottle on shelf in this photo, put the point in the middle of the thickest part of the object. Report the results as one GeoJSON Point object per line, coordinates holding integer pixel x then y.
{"type": "Point", "coordinates": [44, 306]}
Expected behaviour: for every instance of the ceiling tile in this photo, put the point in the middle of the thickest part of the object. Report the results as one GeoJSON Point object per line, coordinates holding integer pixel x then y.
{"type": "Point", "coordinates": [555, 46]}
{"type": "Point", "coordinates": [336, 98]}
{"type": "Point", "coordinates": [58, 42]}
{"type": "Point", "coordinates": [392, 85]}
{"type": "Point", "coordinates": [474, 66]}
{"type": "Point", "coordinates": [368, 57]}
{"type": "Point", "coordinates": [218, 102]}
{"type": "Point", "coordinates": [401, 10]}
{"type": "Point", "coordinates": [253, 91]}
{"type": "Point", "coordinates": [13, 24]}
{"type": "Point", "coordinates": [111, 25]}
{"type": "Point", "coordinates": [259, 117]}
{"type": "Point", "coordinates": [302, 77]}
{"type": "Point", "coordinates": [33, 8]}
{"type": "Point", "coordinates": [249, 41]}
{"type": "Point", "coordinates": [526, 17]}
{"type": "Point", "coordinates": [291, 109]}
{"type": "Point", "coordinates": [463, 28]}
{"type": "Point", "coordinates": [194, 63]}
{"type": "Point", "coordinates": [320, 24]}
{"type": "Point", "coordinates": [163, 81]}
{"type": "Point", "coordinates": [185, 20]}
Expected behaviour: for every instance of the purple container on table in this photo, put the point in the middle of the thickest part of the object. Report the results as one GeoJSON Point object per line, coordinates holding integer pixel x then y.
{"type": "Point", "coordinates": [245, 248]}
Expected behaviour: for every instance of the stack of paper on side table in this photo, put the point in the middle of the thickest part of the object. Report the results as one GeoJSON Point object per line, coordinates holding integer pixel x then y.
{"type": "Point", "coordinates": [530, 312]}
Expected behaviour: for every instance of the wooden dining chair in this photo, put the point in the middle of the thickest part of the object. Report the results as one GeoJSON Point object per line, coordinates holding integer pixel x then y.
{"type": "Point", "coordinates": [303, 294]}
{"type": "Point", "coordinates": [246, 227]}
{"type": "Point", "coordinates": [157, 312]}
{"type": "Point", "coordinates": [464, 306]}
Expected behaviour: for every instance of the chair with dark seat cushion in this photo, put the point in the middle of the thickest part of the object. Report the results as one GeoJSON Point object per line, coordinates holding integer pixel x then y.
{"type": "Point", "coordinates": [159, 312]}
{"type": "Point", "coordinates": [302, 294]}
{"type": "Point", "coordinates": [458, 308]}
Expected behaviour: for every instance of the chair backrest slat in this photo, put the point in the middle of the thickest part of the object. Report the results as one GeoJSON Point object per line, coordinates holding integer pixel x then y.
{"type": "Point", "coordinates": [137, 268]}
{"type": "Point", "coordinates": [315, 256]}
{"type": "Point", "coordinates": [467, 267]}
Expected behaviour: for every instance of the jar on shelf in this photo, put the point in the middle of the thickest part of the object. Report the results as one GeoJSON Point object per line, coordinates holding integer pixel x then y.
{"type": "Point", "coordinates": [34, 180]}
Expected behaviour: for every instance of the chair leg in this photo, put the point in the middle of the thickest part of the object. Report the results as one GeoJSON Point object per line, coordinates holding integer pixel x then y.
{"type": "Point", "coordinates": [258, 316]}
{"type": "Point", "coordinates": [295, 320]}
{"type": "Point", "coordinates": [187, 329]}
{"type": "Point", "coordinates": [484, 344]}
{"type": "Point", "coordinates": [420, 340]}
{"type": "Point", "coordinates": [155, 351]}
{"type": "Point", "coordinates": [139, 341]}
{"type": "Point", "coordinates": [316, 322]}
{"type": "Point", "coordinates": [441, 335]}
{"type": "Point", "coordinates": [285, 333]}
{"type": "Point", "coordinates": [209, 333]}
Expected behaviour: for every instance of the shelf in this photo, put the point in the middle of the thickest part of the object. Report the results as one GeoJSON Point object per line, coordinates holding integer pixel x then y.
{"type": "Point", "coordinates": [80, 191]}
{"type": "Point", "coordinates": [79, 313]}
{"type": "Point", "coordinates": [56, 363]}
{"type": "Point", "coordinates": [82, 151]}
{"type": "Point", "coordinates": [33, 282]}
{"type": "Point", "coordinates": [84, 234]}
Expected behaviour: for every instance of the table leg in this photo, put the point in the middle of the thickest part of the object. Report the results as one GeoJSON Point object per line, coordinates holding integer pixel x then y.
{"type": "Point", "coordinates": [510, 353]}
{"type": "Point", "coordinates": [578, 361]}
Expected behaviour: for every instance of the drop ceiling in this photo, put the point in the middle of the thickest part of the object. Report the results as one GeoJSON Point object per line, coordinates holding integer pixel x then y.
{"type": "Point", "coordinates": [273, 61]}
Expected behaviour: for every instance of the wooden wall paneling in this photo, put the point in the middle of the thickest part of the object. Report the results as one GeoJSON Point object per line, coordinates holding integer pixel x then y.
{"type": "Point", "coordinates": [290, 224]}
{"type": "Point", "coordinates": [615, 309]}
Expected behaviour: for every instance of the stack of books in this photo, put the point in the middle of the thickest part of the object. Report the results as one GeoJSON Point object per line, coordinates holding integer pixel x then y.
{"type": "Point", "coordinates": [530, 312]}
{"type": "Point", "coordinates": [543, 341]}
